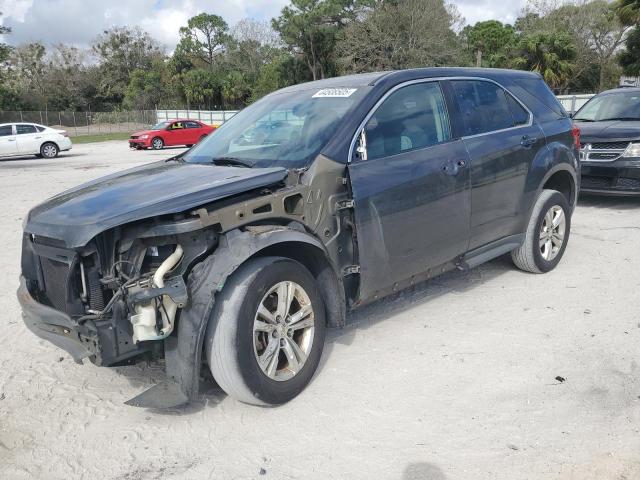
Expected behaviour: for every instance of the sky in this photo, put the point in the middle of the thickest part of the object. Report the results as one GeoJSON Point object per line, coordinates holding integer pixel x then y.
{"type": "Point", "coordinates": [78, 22]}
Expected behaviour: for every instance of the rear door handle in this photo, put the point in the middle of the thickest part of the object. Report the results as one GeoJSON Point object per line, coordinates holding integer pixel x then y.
{"type": "Point", "coordinates": [528, 141]}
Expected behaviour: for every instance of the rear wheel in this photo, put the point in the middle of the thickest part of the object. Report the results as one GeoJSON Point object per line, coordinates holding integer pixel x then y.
{"type": "Point", "coordinates": [157, 143]}
{"type": "Point", "coordinates": [49, 150]}
{"type": "Point", "coordinates": [547, 234]}
{"type": "Point", "coordinates": [266, 334]}
{"type": "Point", "coordinates": [202, 138]}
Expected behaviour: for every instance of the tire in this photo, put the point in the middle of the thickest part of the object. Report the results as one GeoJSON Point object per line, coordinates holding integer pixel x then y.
{"type": "Point", "coordinates": [233, 346]}
{"type": "Point", "coordinates": [157, 143]}
{"type": "Point", "coordinates": [202, 138]}
{"type": "Point", "coordinates": [189, 145]}
{"type": "Point", "coordinates": [49, 150]}
{"type": "Point", "coordinates": [542, 250]}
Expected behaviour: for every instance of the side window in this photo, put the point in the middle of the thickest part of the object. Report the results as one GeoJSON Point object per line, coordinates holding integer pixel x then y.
{"type": "Point", "coordinates": [483, 106]}
{"type": "Point", "coordinates": [412, 117]}
{"type": "Point", "coordinates": [519, 114]}
{"type": "Point", "coordinates": [24, 129]}
{"type": "Point", "coordinates": [6, 130]}
{"type": "Point", "coordinates": [193, 125]}
{"type": "Point", "coordinates": [177, 126]}
{"type": "Point", "coordinates": [40, 128]}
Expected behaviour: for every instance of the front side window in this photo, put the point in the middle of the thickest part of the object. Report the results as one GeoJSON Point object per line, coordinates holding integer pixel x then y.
{"type": "Point", "coordinates": [25, 129]}
{"type": "Point", "coordinates": [483, 105]}
{"type": "Point", "coordinates": [6, 131]}
{"type": "Point", "coordinates": [411, 118]}
{"type": "Point", "coordinates": [177, 126]}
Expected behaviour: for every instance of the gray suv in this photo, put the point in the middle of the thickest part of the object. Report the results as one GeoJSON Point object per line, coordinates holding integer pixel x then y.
{"type": "Point", "coordinates": [237, 254]}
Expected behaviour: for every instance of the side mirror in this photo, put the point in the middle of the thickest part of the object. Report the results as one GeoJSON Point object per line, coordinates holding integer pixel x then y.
{"type": "Point", "coordinates": [361, 146]}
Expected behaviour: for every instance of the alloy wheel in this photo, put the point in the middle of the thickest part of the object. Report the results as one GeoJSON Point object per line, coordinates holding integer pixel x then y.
{"type": "Point", "coordinates": [283, 331]}
{"type": "Point", "coordinates": [552, 232]}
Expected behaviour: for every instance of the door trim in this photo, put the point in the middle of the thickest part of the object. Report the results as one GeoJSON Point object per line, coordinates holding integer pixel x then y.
{"type": "Point", "coordinates": [373, 109]}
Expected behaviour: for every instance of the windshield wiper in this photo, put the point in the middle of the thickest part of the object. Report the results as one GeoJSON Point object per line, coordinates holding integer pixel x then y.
{"type": "Point", "coordinates": [583, 119]}
{"type": "Point", "coordinates": [232, 161]}
{"type": "Point", "coordinates": [631, 119]}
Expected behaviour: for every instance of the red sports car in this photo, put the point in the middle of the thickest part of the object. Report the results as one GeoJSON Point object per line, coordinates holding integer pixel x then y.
{"type": "Point", "coordinates": [170, 133]}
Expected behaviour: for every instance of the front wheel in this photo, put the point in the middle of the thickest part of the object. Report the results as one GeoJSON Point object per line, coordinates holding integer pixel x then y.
{"type": "Point", "coordinates": [157, 143]}
{"type": "Point", "coordinates": [547, 234]}
{"type": "Point", "coordinates": [266, 333]}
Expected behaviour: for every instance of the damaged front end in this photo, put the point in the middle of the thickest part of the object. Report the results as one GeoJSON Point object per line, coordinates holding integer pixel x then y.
{"type": "Point", "coordinates": [111, 300]}
{"type": "Point", "coordinates": [146, 289]}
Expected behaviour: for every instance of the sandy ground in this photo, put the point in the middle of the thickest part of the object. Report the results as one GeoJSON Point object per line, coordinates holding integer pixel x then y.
{"type": "Point", "coordinates": [452, 380]}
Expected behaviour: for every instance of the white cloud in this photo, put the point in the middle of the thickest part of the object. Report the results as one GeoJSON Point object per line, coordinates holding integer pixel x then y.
{"type": "Point", "coordinates": [507, 11]}
{"type": "Point", "coordinates": [78, 22]}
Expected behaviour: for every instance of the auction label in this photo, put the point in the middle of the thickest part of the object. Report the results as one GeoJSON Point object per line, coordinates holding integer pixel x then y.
{"type": "Point", "coordinates": [335, 92]}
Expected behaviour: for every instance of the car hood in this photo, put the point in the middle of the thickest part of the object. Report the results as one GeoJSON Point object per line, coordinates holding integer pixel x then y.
{"type": "Point", "coordinates": [611, 131]}
{"type": "Point", "coordinates": [144, 132]}
{"type": "Point", "coordinates": [79, 214]}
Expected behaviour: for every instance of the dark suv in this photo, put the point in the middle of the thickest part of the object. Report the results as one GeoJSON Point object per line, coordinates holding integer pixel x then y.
{"type": "Point", "coordinates": [610, 136]}
{"type": "Point", "coordinates": [240, 252]}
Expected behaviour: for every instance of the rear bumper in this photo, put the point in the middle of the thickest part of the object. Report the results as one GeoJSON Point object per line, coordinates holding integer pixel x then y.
{"type": "Point", "coordinates": [621, 177]}
{"type": "Point", "coordinates": [54, 326]}
{"type": "Point", "coordinates": [65, 144]}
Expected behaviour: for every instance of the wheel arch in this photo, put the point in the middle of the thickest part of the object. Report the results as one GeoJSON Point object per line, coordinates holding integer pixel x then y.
{"type": "Point", "coordinates": [184, 352]}
{"type": "Point", "coordinates": [48, 141]}
{"type": "Point", "coordinates": [564, 181]}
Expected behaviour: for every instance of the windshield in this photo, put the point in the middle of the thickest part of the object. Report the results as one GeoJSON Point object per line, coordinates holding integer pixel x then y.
{"type": "Point", "coordinates": [612, 106]}
{"type": "Point", "coordinates": [161, 126]}
{"type": "Point", "coordinates": [286, 129]}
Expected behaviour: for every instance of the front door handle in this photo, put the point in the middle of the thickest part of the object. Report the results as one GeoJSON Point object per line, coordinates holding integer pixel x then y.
{"type": "Point", "coordinates": [453, 167]}
{"type": "Point", "coordinates": [528, 141]}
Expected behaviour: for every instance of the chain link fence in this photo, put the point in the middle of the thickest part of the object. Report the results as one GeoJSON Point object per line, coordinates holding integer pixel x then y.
{"type": "Point", "coordinates": [85, 123]}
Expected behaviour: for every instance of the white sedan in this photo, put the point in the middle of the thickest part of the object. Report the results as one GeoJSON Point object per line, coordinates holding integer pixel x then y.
{"type": "Point", "coordinates": [32, 139]}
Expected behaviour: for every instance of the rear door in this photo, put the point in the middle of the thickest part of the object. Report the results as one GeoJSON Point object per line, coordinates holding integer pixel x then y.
{"type": "Point", "coordinates": [410, 185]}
{"type": "Point", "coordinates": [502, 141]}
{"type": "Point", "coordinates": [28, 138]}
{"type": "Point", "coordinates": [8, 144]}
{"type": "Point", "coordinates": [193, 132]}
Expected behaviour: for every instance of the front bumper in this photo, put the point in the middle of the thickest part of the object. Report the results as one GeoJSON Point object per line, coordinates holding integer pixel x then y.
{"type": "Point", "coordinates": [139, 143]}
{"type": "Point", "coordinates": [105, 342]}
{"type": "Point", "coordinates": [55, 326]}
{"type": "Point", "coordinates": [620, 177]}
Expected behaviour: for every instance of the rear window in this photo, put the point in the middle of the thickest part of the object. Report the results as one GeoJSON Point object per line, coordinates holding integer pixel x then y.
{"type": "Point", "coordinates": [535, 93]}
{"type": "Point", "coordinates": [483, 106]}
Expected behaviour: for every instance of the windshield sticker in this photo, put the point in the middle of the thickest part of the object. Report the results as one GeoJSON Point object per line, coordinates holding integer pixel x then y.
{"type": "Point", "coordinates": [335, 93]}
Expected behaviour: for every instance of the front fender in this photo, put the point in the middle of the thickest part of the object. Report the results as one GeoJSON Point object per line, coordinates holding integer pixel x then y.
{"type": "Point", "coordinates": [183, 352]}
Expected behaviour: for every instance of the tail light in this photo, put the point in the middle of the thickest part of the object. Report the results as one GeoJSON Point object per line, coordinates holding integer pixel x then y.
{"type": "Point", "coordinates": [575, 131]}
{"type": "Point", "coordinates": [65, 134]}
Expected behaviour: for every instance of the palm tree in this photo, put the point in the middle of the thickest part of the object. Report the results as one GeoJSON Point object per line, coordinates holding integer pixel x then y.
{"type": "Point", "coordinates": [551, 54]}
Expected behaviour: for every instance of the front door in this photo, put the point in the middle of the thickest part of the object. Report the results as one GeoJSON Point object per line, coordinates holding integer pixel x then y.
{"type": "Point", "coordinates": [176, 134]}
{"type": "Point", "coordinates": [8, 145]}
{"type": "Point", "coordinates": [502, 142]}
{"type": "Point", "coordinates": [410, 184]}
